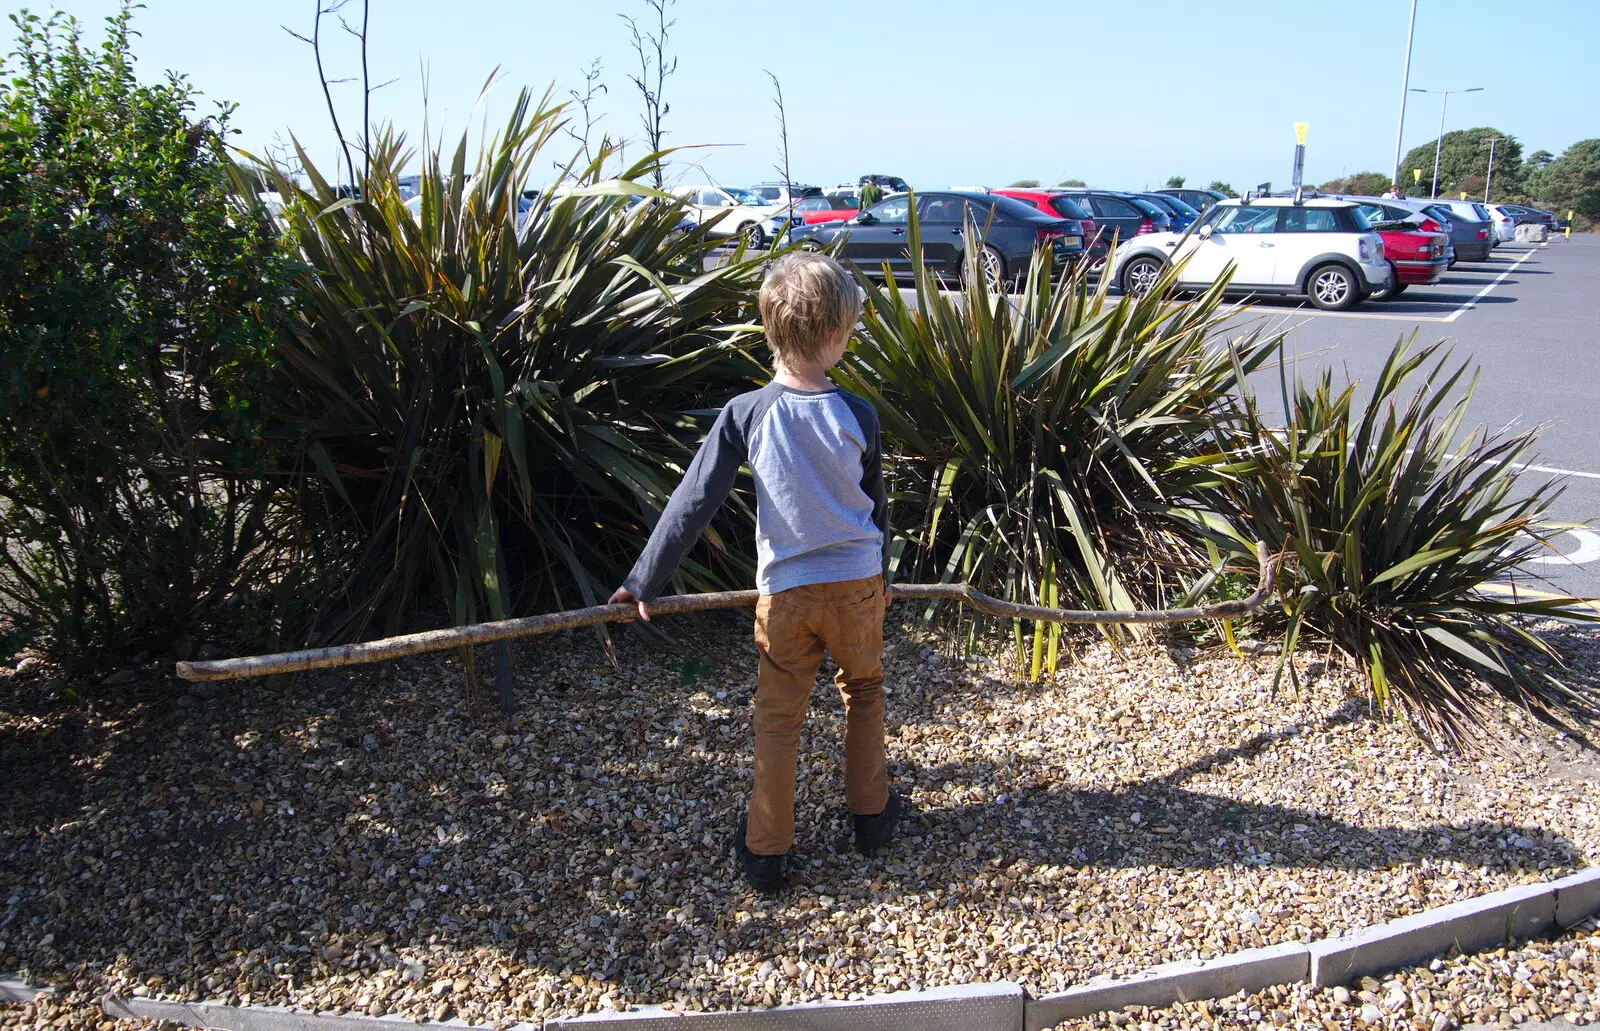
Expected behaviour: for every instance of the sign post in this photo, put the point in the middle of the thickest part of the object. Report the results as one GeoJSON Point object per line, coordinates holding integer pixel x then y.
{"type": "Point", "coordinates": [1299, 156]}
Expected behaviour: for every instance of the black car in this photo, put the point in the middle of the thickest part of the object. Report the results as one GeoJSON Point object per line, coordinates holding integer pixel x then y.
{"type": "Point", "coordinates": [1119, 215]}
{"type": "Point", "coordinates": [1010, 230]}
{"type": "Point", "coordinates": [892, 183]}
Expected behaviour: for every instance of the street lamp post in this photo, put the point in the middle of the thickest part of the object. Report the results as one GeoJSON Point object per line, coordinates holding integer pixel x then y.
{"type": "Point", "coordinates": [1438, 147]}
{"type": "Point", "coordinates": [1405, 82]}
{"type": "Point", "coordinates": [1488, 179]}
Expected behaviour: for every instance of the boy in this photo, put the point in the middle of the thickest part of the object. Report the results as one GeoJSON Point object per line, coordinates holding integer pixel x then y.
{"type": "Point", "coordinates": [822, 536]}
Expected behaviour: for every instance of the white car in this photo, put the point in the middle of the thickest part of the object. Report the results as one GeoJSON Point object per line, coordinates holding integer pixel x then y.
{"type": "Point", "coordinates": [1321, 249]}
{"type": "Point", "coordinates": [741, 211]}
{"type": "Point", "coordinates": [1505, 225]}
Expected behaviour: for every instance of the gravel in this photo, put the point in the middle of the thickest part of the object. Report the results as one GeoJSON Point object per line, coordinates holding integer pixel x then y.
{"type": "Point", "coordinates": [1547, 978]}
{"type": "Point", "coordinates": [358, 840]}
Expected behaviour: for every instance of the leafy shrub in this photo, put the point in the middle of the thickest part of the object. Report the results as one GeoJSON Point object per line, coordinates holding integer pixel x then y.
{"type": "Point", "coordinates": [1036, 443]}
{"type": "Point", "coordinates": [493, 409]}
{"type": "Point", "coordinates": [134, 346]}
{"type": "Point", "coordinates": [1397, 523]}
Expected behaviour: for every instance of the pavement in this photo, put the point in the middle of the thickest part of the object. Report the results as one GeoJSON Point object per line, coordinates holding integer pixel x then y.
{"type": "Point", "coordinates": [1529, 319]}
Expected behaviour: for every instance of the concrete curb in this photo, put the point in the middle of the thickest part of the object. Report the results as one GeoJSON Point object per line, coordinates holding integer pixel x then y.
{"type": "Point", "coordinates": [222, 1017]}
{"type": "Point", "coordinates": [1469, 925]}
{"type": "Point", "coordinates": [13, 990]}
{"type": "Point", "coordinates": [975, 1007]}
{"type": "Point", "coordinates": [1577, 896]}
{"type": "Point", "coordinates": [1181, 981]}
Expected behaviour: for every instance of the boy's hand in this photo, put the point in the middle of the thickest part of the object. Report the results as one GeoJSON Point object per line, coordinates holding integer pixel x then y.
{"type": "Point", "coordinates": [622, 597]}
{"type": "Point", "coordinates": [888, 595]}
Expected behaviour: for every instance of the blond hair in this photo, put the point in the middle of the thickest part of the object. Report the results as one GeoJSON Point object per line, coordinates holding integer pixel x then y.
{"type": "Point", "coordinates": [805, 299]}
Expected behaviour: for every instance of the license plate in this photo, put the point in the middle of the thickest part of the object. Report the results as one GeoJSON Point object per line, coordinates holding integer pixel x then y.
{"type": "Point", "coordinates": [1073, 241]}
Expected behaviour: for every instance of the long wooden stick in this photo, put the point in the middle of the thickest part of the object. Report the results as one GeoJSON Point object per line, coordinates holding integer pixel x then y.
{"type": "Point", "coordinates": [528, 626]}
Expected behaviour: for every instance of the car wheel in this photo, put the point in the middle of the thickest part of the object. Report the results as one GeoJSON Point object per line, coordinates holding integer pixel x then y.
{"type": "Point", "coordinates": [1141, 275]}
{"type": "Point", "coordinates": [993, 266]}
{"type": "Point", "coordinates": [753, 235]}
{"type": "Point", "coordinates": [1333, 288]}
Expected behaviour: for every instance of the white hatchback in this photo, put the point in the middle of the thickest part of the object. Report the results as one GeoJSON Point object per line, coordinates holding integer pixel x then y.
{"type": "Point", "coordinates": [741, 212]}
{"type": "Point", "coordinates": [1321, 249]}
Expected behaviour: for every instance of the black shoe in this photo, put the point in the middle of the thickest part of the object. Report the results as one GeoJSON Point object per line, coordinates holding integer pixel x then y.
{"type": "Point", "coordinates": [873, 832]}
{"type": "Point", "coordinates": [766, 874]}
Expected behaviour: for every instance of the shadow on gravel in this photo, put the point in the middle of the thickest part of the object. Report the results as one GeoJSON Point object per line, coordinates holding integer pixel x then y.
{"type": "Point", "coordinates": [244, 835]}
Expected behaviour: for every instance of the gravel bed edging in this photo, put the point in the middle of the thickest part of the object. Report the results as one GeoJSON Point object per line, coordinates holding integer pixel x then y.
{"type": "Point", "coordinates": [994, 1006]}
{"type": "Point", "coordinates": [13, 990]}
{"type": "Point", "coordinates": [222, 1017]}
{"type": "Point", "coordinates": [1185, 980]}
{"type": "Point", "coordinates": [1470, 925]}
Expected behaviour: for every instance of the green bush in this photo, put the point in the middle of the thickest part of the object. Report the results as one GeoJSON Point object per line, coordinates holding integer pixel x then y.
{"type": "Point", "coordinates": [1036, 444]}
{"type": "Point", "coordinates": [135, 301]}
{"type": "Point", "coordinates": [491, 417]}
{"type": "Point", "coordinates": [1396, 523]}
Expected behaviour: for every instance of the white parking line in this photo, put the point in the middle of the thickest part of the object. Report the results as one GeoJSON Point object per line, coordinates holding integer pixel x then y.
{"type": "Point", "coordinates": [1468, 306]}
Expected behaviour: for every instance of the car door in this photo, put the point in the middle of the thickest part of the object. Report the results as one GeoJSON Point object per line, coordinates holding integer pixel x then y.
{"type": "Point", "coordinates": [708, 204]}
{"type": "Point", "coordinates": [882, 239]}
{"type": "Point", "coordinates": [1245, 235]}
{"type": "Point", "coordinates": [1301, 236]}
{"type": "Point", "coordinates": [942, 219]}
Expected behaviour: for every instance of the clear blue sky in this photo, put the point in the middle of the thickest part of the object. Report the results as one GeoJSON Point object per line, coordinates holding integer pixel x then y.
{"type": "Point", "coordinates": [938, 92]}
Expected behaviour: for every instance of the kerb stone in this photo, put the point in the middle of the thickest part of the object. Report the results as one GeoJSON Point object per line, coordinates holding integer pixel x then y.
{"type": "Point", "coordinates": [1577, 897]}
{"type": "Point", "coordinates": [13, 990]}
{"type": "Point", "coordinates": [977, 1007]}
{"type": "Point", "coordinates": [1469, 925]}
{"type": "Point", "coordinates": [222, 1017]}
{"type": "Point", "coordinates": [1181, 981]}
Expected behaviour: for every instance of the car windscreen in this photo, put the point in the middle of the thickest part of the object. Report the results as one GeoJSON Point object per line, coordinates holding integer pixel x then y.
{"type": "Point", "coordinates": [1359, 218]}
{"type": "Point", "coordinates": [1148, 207]}
{"type": "Point", "coordinates": [745, 196]}
{"type": "Point", "coordinates": [1443, 214]}
{"type": "Point", "coordinates": [1182, 207]}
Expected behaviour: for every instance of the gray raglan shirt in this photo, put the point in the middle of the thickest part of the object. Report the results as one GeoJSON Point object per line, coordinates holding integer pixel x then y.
{"type": "Point", "coordinates": [821, 512]}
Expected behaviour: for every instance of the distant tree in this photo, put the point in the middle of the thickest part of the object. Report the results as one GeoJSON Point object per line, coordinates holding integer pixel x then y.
{"type": "Point", "coordinates": [1072, 182]}
{"type": "Point", "coordinates": [1533, 171]}
{"type": "Point", "coordinates": [1572, 181]}
{"type": "Point", "coordinates": [1365, 184]}
{"type": "Point", "coordinates": [1175, 182]}
{"type": "Point", "coordinates": [1465, 152]}
{"type": "Point", "coordinates": [1024, 184]}
{"type": "Point", "coordinates": [1222, 187]}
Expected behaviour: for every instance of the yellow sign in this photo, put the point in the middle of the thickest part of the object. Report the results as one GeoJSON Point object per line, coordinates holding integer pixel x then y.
{"type": "Point", "coordinates": [1463, 194]}
{"type": "Point", "coordinates": [1300, 132]}
{"type": "Point", "coordinates": [1416, 175]}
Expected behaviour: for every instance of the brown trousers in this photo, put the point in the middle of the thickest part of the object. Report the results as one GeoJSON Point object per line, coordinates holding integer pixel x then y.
{"type": "Point", "coordinates": [792, 629]}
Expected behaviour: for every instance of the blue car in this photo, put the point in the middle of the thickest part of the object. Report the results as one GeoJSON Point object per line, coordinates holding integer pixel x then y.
{"type": "Point", "coordinates": [1183, 216]}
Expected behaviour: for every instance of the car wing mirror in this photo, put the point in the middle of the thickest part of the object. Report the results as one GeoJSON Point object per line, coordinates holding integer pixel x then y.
{"type": "Point", "coordinates": [1206, 231]}
{"type": "Point", "coordinates": [866, 218]}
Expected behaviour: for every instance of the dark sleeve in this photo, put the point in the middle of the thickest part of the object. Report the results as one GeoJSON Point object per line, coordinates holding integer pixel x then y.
{"type": "Point", "coordinates": [704, 488]}
{"type": "Point", "coordinates": [872, 479]}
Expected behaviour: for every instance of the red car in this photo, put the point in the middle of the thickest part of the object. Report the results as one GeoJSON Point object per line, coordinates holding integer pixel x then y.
{"type": "Point", "coordinates": [1058, 205]}
{"type": "Point", "coordinates": [830, 207]}
{"type": "Point", "coordinates": [1415, 256]}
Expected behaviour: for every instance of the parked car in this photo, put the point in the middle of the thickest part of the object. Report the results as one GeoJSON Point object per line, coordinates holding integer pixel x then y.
{"type": "Point", "coordinates": [1321, 249]}
{"type": "Point", "coordinates": [1522, 214]}
{"type": "Point", "coordinates": [740, 211]}
{"type": "Point", "coordinates": [1469, 238]}
{"type": "Point", "coordinates": [1057, 205]}
{"type": "Point", "coordinates": [1505, 221]}
{"type": "Point", "coordinates": [833, 206]}
{"type": "Point", "coordinates": [1182, 215]}
{"type": "Point", "coordinates": [1200, 200]}
{"type": "Point", "coordinates": [1471, 211]}
{"type": "Point", "coordinates": [1413, 256]}
{"type": "Point", "coordinates": [784, 194]}
{"type": "Point", "coordinates": [1389, 214]}
{"type": "Point", "coordinates": [877, 237]}
{"type": "Point", "coordinates": [1119, 215]}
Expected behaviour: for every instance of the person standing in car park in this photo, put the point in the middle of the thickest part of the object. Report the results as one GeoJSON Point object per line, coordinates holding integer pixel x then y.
{"type": "Point", "coordinates": [1393, 192]}
{"type": "Point", "coordinates": [871, 193]}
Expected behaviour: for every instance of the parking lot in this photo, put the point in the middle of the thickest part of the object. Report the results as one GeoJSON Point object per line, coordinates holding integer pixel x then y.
{"type": "Point", "coordinates": [1527, 318]}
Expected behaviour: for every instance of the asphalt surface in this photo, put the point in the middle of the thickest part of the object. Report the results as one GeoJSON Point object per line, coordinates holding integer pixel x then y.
{"type": "Point", "coordinates": [1529, 320]}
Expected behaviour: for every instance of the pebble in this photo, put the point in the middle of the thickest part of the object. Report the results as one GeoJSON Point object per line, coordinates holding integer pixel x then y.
{"type": "Point", "coordinates": [381, 843]}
